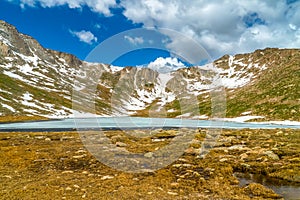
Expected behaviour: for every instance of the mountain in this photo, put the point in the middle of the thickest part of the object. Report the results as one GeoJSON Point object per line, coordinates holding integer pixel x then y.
{"type": "Point", "coordinates": [275, 93]}
{"type": "Point", "coordinates": [35, 81]}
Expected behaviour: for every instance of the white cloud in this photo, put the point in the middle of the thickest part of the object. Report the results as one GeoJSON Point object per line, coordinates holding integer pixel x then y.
{"type": "Point", "coordinates": [165, 65]}
{"type": "Point", "coordinates": [85, 36]}
{"type": "Point", "coordinates": [134, 40]}
{"type": "Point", "coordinates": [222, 27]}
{"type": "Point", "coordinates": [99, 6]}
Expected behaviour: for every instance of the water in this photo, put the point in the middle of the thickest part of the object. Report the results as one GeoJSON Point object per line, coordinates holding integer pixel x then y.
{"type": "Point", "coordinates": [288, 190]}
{"type": "Point", "coordinates": [133, 123]}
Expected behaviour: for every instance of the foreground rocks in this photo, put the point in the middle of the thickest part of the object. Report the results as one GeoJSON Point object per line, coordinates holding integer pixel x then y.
{"type": "Point", "coordinates": [57, 165]}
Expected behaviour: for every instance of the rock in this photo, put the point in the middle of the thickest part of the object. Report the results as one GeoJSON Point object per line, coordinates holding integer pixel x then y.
{"type": "Point", "coordinates": [271, 155]}
{"type": "Point", "coordinates": [106, 177]}
{"type": "Point", "coordinates": [68, 172]}
{"type": "Point", "coordinates": [196, 174]}
{"type": "Point", "coordinates": [80, 156]}
{"type": "Point", "coordinates": [209, 169]}
{"type": "Point", "coordinates": [47, 139]}
{"type": "Point", "coordinates": [158, 140]}
{"type": "Point", "coordinates": [192, 151]}
{"type": "Point", "coordinates": [172, 193]}
{"type": "Point", "coordinates": [80, 151]}
{"type": "Point", "coordinates": [39, 137]}
{"type": "Point", "coordinates": [148, 155]}
{"type": "Point", "coordinates": [266, 145]}
{"type": "Point", "coordinates": [68, 188]}
{"type": "Point", "coordinates": [177, 165]}
{"type": "Point", "coordinates": [247, 166]}
{"type": "Point", "coordinates": [202, 179]}
{"type": "Point", "coordinates": [223, 159]}
{"type": "Point", "coordinates": [243, 156]}
{"type": "Point", "coordinates": [239, 147]}
{"type": "Point", "coordinates": [182, 160]}
{"type": "Point", "coordinates": [121, 144]}
{"type": "Point", "coordinates": [174, 185]}
{"type": "Point", "coordinates": [277, 164]}
{"type": "Point", "coordinates": [278, 133]}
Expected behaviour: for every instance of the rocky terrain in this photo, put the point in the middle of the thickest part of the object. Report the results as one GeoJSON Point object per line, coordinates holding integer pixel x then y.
{"type": "Point", "coordinates": [58, 166]}
{"type": "Point", "coordinates": [42, 83]}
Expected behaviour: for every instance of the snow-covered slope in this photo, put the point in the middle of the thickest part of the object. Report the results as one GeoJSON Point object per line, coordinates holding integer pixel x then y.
{"type": "Point", "coordinates": [39, 81]}
{"type": "Point", "coordinates": [35, 80]}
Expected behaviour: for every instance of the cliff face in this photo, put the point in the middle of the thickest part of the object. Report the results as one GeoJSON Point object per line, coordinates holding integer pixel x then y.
{"type": "Point", "coordinates": [39, 81]}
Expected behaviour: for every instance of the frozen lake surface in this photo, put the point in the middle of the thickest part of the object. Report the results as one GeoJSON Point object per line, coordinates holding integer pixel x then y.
{"type": "Point", "coordinates": [107, 123]}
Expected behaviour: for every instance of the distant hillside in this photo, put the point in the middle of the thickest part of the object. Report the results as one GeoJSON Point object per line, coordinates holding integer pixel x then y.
{"type": "Point", "coordinates": [275, 93]}
{"type": "Point", "coordinates": [35, 81]}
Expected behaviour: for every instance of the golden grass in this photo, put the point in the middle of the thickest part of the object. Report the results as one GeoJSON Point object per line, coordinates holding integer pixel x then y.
{"type": "Point", "coordinates": [20, 118]}
{"type": "Point", "coordinates": [41, 165]}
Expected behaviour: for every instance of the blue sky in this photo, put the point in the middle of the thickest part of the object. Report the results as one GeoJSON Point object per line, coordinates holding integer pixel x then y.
{"type": "Point", "coordinates": [220, 27]}
{"type": "Point", "coordinates": [53, 27]}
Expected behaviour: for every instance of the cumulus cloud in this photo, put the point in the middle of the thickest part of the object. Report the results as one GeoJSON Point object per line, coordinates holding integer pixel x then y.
{"type": "Point", "coordinates": [165, 65]}
{"type": "Point", "coordinates": [85, 36]}
{"type": "Point", "coordinates": [222, 27]}
{"type": "Point", "coordinates": [99, 6]}
{"type": "Point", "coordinates": [134, 40]}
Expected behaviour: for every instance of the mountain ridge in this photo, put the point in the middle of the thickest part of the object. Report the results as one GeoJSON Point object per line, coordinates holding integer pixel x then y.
{"type": "Point", "coordinates": [41, 82]}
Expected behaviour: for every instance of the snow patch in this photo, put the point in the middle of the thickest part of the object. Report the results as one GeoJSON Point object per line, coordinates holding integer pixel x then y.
{"type": "Point", "coordinates": [5, 41]}
{"type": "Point", "coordinates": [246, 113]}
{"type": "Point", "coordinates": [29, 59]}
{"type": "Point", "coordinates": [200, 117]}
{"type": "Point", "coordinates": [115, 69]}
{"type": "Point", "coordinates": [240, 119]}
{"type": "Point", "coordinates": [27, 96]}
{"type": "Point", "coordinates": [285, 122]}
{"type": "Point", "coordinates": [8, 107]}
{"type": "Point", "coordinates": [184, 115]}
{"type": "Point", "coordinates": [4, 91]}
{"type": "Point", "coordinates": [171, 110]}
{"type": "Point", "coordinates": [16, 76]}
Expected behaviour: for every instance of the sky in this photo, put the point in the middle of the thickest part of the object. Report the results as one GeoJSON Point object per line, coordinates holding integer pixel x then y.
{"type": "Point", "coordinates": [219, 27]}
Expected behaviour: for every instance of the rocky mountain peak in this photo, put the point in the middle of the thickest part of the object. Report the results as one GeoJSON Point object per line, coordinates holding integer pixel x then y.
{"type": "Point", "coordinates": [39, 81]}
{"type": "Point", "coordinates": [12, 41]}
